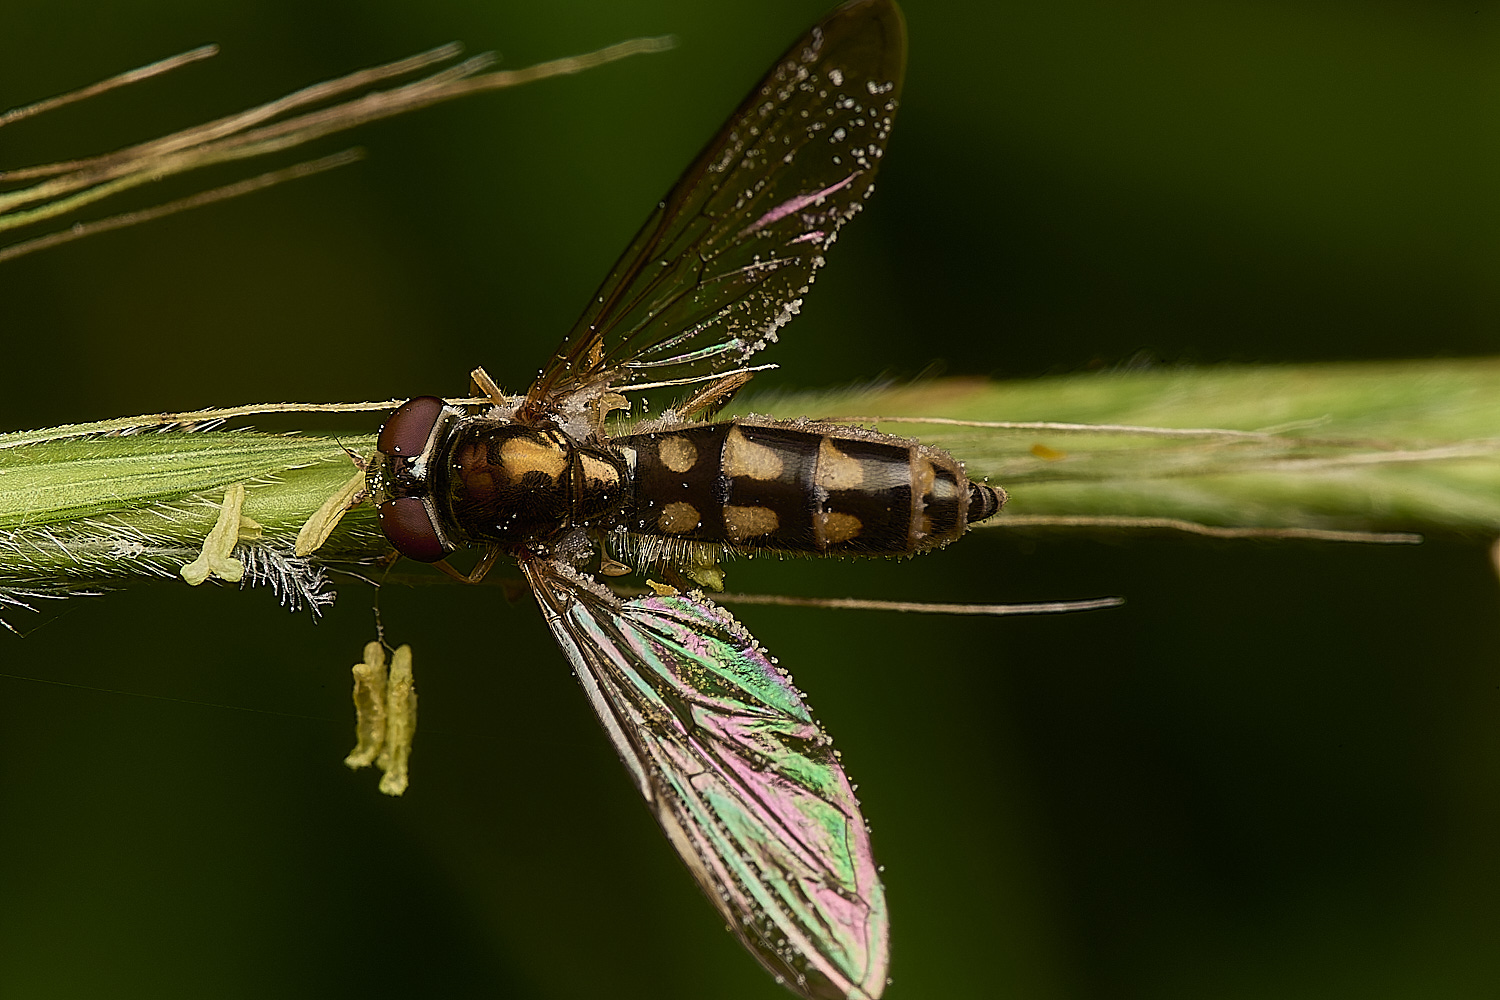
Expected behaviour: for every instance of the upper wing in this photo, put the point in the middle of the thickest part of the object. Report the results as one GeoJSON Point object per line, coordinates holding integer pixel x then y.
{"type": "Point", "coordinates": [725, 259]}
{"type": "Point", "coordinates": [743, 781]}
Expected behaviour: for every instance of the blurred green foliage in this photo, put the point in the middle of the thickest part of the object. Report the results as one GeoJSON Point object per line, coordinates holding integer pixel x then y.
{"type": "Point", "coordinates": [1275, 772]}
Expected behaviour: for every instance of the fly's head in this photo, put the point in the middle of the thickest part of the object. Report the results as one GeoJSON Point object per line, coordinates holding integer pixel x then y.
{"type": "Point", "coordinates": [399, 479]}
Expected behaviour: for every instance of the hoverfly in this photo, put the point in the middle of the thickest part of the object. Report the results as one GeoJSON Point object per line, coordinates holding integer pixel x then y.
{"type": "Point", "coordinates": [717, 739]}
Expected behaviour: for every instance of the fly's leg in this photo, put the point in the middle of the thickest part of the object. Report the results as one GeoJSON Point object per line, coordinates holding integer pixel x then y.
{"type": "Point", "coordinates": [480, 570]}
{"type": "Point", "coordinates": [610, 566]}
{"type": "Point", "coordinates": [487, 386]}
{"type": "Point", "coordinates": [712, 398]}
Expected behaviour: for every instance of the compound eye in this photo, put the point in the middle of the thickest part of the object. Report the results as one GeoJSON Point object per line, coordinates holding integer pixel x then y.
{"type": "Point", "coordinates": [408, 526]}
{"type": "Point", "coordinates": [407, 430]}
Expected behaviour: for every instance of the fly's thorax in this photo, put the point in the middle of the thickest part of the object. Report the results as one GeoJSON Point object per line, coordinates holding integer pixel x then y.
{"type": "Point", "coordinates": [440, 478]}
{"type": "Point", "coordinates": [796, 486]}
{"type": "Point", "coordinates": [513, 485]}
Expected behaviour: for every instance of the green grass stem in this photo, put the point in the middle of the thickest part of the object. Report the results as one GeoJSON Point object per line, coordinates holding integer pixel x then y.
{"type": "Point", "coordinates": [1397, 446]}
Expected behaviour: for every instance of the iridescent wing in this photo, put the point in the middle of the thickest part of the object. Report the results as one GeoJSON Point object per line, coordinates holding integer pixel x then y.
{"type": "Point", "coordinates": [725, 259]}
{"type": "Point", "coordinates": [744, 782]}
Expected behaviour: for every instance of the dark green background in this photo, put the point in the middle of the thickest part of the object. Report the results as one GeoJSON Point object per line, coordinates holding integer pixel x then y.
{"type": "Point", "coordinates": [1274, 773]}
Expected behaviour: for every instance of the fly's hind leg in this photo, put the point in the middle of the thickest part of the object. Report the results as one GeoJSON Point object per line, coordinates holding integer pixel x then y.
{"type": "Point", "coordinates": [714, 396]}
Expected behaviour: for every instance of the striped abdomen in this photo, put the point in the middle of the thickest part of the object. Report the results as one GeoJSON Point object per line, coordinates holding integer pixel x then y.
{"type": "Point", "coordinates": [823, 489]}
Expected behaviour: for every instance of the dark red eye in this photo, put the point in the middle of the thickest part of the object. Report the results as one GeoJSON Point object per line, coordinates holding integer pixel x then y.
{"type": "Point", "coordinates": [408, 526]}
{"type": "Point", "coordinates": [407, 430]}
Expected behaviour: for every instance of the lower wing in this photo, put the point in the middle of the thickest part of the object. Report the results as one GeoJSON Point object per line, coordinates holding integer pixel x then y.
{"type": "Point", "coordinates": [744, 782]}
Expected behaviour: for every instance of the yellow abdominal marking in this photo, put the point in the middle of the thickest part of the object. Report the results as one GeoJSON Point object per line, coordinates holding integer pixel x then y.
{"type": "Point", "coordinates": [678, 517]}
{"type": "Point", "coordinates": [745, 458]}
{"type": "Point", "coordinates": [837, 471]}
{"type": "Point", "coordinates": [598, 472]}
{"type": "Point", "coordinates": [742, 523]}
{"type": "Point", "coordinates": [833, 527]}
{"type": "Point", "coordinates": [922, 476]}
{"type": "Point", "coordinates": [521, 457]}
{"type": "Point", "coordinates": [677, 453]}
